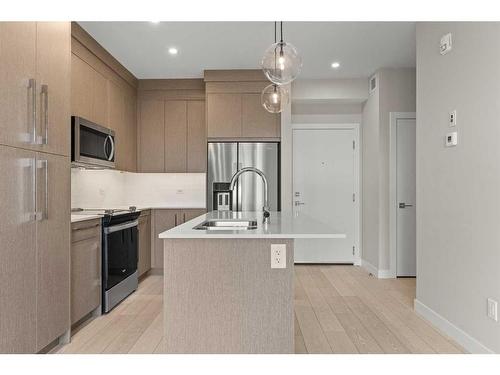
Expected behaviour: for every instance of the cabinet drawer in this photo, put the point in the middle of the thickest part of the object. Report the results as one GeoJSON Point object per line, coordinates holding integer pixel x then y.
{"type": "Point", "coordinates": [86, 229]}
{"type": "Point", "coordinates": [85, 277]}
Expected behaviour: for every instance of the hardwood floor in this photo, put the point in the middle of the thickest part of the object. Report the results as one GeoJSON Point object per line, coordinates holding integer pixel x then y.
{"type": "Point", "coordinates": [338, 309]}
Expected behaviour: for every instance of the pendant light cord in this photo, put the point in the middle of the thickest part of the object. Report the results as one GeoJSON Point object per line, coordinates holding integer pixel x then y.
{"type": "Point", "coordinates": [281, 26]}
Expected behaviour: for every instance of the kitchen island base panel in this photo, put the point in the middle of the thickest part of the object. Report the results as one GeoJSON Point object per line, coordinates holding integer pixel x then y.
{"type": "Point", "coordinates": [222, 296]}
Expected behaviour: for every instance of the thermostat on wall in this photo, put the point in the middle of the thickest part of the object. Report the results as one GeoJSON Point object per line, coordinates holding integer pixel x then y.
{"type": "Point", "coordinates": [451, 139]}
{"type": "Point", "coordinates": [445, 45]}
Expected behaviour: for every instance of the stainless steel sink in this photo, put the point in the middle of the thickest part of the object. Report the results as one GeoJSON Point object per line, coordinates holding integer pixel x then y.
{"type": "Point", "coordinates": [227, 224]}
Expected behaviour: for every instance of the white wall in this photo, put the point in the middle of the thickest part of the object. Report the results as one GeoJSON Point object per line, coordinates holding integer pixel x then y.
{"type": "Point", "coordinates": [342, 90]}
{"type": "Point", "coordinates": [115, 189]}
{"type": "Point", "coordinates": [458, 189]}
{"type": "Point", "coordinates": [370, 130]}
{"type": "Point", "coordinates": [396, 92]}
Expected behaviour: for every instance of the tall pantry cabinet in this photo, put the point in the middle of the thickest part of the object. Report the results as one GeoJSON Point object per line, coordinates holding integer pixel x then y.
{"type": "Point", "coordinates": [35, 184]}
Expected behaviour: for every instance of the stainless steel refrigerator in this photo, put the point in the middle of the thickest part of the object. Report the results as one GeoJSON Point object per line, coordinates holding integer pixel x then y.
{"type": "Point", "coordinates": [226, 158]}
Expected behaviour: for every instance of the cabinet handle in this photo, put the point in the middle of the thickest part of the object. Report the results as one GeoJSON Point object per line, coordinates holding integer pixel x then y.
{"type": "Point", "coordinates": [33, 187]}
{"type": "Point", "coordinates": [184, 217]}
{"type": "Point", "coordinates": [32, 108]}
{"type": "Point", "coordinates": [44, 164]}
{"type": "Point", "coordinates": [44, 96]}
{"type": "Point", "coordinates": [88, 227]}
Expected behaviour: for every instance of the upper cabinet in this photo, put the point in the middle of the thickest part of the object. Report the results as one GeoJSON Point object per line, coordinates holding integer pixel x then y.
{"type": "Point", "coordinates": [233, 106]}
{"type": "Point", "coordinates": [172, 128]}
{"type": "Point", "coordinates": [224, 115]}
{"type": "Point", "coordinates": [35, 85]}
{"type": "Point", "coordinates": [104, 92]}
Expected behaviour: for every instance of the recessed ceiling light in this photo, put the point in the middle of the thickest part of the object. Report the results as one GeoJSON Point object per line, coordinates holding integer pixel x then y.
{"type": "Point", "coordinates": [173, 51]}
{"type": "Point", "coordinates": [155, 21]}
{"type": "Point", "coordinates": [335, 65]}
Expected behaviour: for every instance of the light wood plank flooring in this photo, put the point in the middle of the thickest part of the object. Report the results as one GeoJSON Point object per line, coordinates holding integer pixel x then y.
{"type": "Point", "coordinates": [338, 309]}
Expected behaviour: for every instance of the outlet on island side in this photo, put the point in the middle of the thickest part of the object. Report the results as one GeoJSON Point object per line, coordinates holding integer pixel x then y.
{"type": "Point", "coordinates": [278, 256]}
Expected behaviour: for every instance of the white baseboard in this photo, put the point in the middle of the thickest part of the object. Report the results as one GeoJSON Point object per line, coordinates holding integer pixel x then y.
{"type": "Point", "coordinates": [379, 274]}
{"type": "Point", "coordinates": [466, 341]}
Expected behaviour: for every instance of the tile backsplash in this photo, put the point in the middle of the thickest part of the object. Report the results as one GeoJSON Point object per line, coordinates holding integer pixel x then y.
{"type": "Point", "coordinates": [114, 189]}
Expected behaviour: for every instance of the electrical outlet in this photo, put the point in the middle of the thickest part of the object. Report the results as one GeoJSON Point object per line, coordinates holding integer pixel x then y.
{"type": "Point", "coordinates": [278, 256]}
{"type": "Point", "coordinates": [493, 309]}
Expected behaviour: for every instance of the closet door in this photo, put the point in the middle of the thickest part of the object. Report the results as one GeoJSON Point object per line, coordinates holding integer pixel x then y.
{"type": "Point", "coordinates": [53, 247]}
{"type": "Point", "coordinates": [17, 251]}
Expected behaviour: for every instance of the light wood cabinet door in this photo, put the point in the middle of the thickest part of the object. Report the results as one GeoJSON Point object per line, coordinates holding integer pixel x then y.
{"type": "Point", "coordinates": [189, 214]}
{"type": "Point", "coordinates": [196, 137]}
{"type": "Point", "coordinates": [151, 136]}
{"type": "Point", "coordinates": [85, 270]}
{"type": "Point", "coordinates": [224, 115]}
{"type": "Point", "coordinates": [163, 220]}
{"type": "Point", "coordinates": [99, 99]}
{"type": "Point", "coordinates": [256, 122]}
{"type": "Point", "coordinates": [17, 67]}
{"type": "Point", "coordinates": [116, 117]}
{"type": "Point", "coordinates": [17, 251]}
{"type": "Point", "coordinates": [53, 248]}
{"type": "Point", "coordinates": [129, 138]}
{"type": "Point", "coordinates": [144, 259]}
{"type": "Point", "coordinates": [175, 136]}
{"type": "Point", "coordinates": [53, 86]}
{"type": "Point", "coordinates": [81, 88]}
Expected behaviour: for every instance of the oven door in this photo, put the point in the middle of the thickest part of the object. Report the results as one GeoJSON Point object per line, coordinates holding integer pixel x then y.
{"type": "Point", "coordinates": [119, 253]}
{"type": "Point", "coordinates": [93, 145]}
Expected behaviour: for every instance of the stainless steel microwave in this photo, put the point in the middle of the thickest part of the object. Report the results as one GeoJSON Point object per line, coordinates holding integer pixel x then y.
{"type": "Point", "coordinates": [92, 145]}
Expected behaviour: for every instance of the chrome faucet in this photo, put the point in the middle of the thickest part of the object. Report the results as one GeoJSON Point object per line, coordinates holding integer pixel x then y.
{"type": "Point", "coordinates": [235, 177]}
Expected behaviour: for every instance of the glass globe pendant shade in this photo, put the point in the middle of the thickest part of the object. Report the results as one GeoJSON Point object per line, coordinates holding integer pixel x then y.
{"type": "Point", "coordinates": [274, 98]}
{"type": "Point", "coordinates": [281, 63]}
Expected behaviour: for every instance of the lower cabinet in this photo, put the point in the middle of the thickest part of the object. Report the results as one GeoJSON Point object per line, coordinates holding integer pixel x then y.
{"type": "Point", "coordinates": [144, 256]}
{"type": "Point", "coordinates": [34, 250]}
{"type": "Point", "coordinates": [165, 219]}
{"type": "Point", "coordinates": [85, 268]}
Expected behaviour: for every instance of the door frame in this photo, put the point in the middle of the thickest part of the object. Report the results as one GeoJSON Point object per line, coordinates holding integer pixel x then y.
{"type": "Point", "coordinates": [357, 175]}
{"type": "Point", "coordinates": [393, 210]}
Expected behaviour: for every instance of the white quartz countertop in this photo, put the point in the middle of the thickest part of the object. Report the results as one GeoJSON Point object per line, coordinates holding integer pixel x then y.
{"type": "Point", "coordinates": [282, 225]}
{"type": "Point", "coordinates": [77, 218]}
{"type": "Point", "coordinates": [82, 217]}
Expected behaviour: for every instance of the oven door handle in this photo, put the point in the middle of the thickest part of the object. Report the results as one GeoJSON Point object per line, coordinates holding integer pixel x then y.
{"type": "Point", "coordinates": [116, 228]}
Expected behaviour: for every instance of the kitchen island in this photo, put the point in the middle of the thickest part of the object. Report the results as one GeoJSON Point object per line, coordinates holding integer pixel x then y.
{"type": "Point", "coordinates": [221, 293]}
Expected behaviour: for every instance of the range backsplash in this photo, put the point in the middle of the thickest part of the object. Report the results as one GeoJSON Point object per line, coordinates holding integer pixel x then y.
{"type": "Point", "coordinates": [114, 189]}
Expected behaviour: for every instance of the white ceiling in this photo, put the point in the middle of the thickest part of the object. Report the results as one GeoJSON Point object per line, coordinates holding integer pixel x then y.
{"type": "Point", "coordinates": [360, 47]}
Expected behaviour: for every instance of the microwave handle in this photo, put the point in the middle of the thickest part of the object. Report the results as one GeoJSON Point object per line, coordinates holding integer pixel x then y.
{"type": "Point", "coordinates": [112, 153]}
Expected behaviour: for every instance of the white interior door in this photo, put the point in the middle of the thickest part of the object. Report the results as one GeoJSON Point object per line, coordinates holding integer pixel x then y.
{"type": "Point", "coordinates": [324, 173]}
{"type": "Point", "coordinates": [405, 192]}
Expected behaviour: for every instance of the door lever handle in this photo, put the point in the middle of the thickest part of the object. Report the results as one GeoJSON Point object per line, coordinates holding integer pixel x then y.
{"type": "Point", "coordinates": [404, 205]}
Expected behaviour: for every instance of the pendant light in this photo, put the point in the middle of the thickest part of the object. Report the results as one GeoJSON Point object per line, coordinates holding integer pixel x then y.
{"type": "Point", "coordinates": [274, 97]}
{"type": "Point", "coordinates": [281, 62]}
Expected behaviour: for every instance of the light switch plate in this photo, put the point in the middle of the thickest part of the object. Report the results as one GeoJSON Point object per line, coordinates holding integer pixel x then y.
{"type": "Point", "coordinates": [278, 256]}
{"type": "Point", "coordinates": [493, 309]}
{"type": "Point", "coordinates": [452, 120]}
{"type": "Point", "coordinates": [451, 139]}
